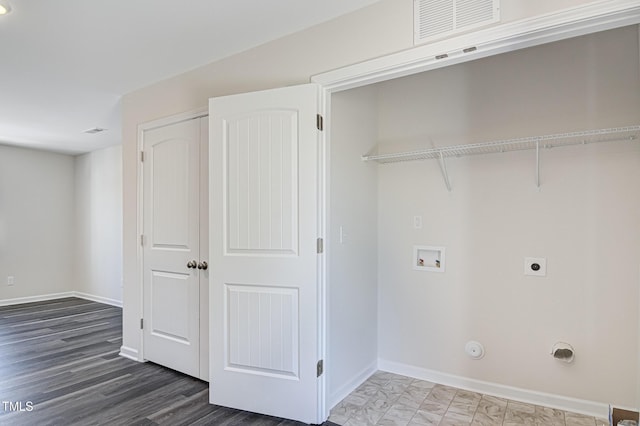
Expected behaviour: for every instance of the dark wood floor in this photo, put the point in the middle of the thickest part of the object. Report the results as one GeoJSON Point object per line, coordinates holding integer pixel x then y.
{"type": "Point", "coordinates": [59, 365]}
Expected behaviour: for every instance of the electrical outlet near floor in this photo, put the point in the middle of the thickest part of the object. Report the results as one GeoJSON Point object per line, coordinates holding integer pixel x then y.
{"type": "Point", "coordinates": [536, 266]}
{"type": "Point", "coordinates": [10, 280]}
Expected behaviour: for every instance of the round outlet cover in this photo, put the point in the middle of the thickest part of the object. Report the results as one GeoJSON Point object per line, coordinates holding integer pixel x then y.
{"type": "Point", "coordinates": [474, 349]}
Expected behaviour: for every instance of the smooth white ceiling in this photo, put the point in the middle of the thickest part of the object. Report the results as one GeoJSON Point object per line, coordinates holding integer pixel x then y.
{"type": "Point", "coordinates": [64, 64]}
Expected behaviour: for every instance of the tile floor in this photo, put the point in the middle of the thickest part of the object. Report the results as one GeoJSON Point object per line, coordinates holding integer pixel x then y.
{"type": "Point", "coordinates": [388, 399]}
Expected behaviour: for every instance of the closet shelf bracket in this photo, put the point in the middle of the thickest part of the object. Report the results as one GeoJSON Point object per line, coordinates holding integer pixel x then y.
{"type": "Point", "coordinates": [445, 175]}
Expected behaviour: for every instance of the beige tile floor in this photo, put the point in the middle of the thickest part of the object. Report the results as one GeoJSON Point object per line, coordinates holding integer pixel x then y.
{"type": "Point", "coordinates": [388, 399]}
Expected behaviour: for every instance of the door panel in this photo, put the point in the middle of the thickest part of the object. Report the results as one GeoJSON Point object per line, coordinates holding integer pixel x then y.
{"type": "Point", "coordinates": [262, 183]}
{"type": "Point", "coordinates": [171, 174]}
{"type": "Point", "coordinates": [262, 330]}
{"type": "Point", "coordinates": [264, 292]}
{"type": "Point", "coordinates": [168, 295]}
{"type": "Point", "coordinates": [171, 181]}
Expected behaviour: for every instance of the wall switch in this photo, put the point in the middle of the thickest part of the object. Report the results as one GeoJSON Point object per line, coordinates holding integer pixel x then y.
{"type": "Point", "coordinates": [417, 222]}
{"type": "Point", "coordinates": [10, 280]}
{"type": "Point", "coordinates": [343, 235]}
{"type": "Point", "coordinates": [536, 266]}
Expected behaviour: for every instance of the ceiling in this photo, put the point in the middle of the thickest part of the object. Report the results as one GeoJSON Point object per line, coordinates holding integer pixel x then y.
{"type": "Point", "coordinates": [65, 64]}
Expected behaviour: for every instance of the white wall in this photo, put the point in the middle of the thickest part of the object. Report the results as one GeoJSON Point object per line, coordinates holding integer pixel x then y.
{"type": "Point", "coordinates": [60, 224]}
{"type": "Point", "coordinates": [98, 187]}
{"type": "Point", "coordinates": [36, 222]}
{"type": "Point", "coordinates": [352, 277]}
{"type": "Point", "coordinates": [584, 221]}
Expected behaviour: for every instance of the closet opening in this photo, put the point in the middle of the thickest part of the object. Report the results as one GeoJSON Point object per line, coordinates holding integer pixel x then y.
{"type": "Point", "coordinates": [569, 197]}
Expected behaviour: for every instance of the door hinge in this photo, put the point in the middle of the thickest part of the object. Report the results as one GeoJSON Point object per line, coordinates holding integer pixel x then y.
{"type": "Point", "coordinates": [141, 240]}
{"type": "Point", "coordinates": [320, 368]}
{"type": "Point", "coordinates": [141, 323]}
{"type": "Point", "coordinates": [319, 122]}
{"type": "Point", "coordinates": [319, 246]}
{"type": "Point", "coordinates": [142, 156]}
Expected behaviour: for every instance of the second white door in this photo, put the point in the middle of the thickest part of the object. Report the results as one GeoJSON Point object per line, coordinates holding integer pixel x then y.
{"type": "Point", "coordinates": [175, 246]}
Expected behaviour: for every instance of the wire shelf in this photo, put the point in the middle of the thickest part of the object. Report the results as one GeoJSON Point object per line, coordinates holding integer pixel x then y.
{"type": "Point", "coordinates": [507, 145]}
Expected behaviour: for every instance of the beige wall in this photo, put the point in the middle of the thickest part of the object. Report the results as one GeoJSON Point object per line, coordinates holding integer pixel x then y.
{"type": "Point", "coordinates": [380, 29]}
{"type": "Point", "coordinates": [60, 224]}
{"type": "Point", "coordinates": [352, 293]}
{"type": "Point", "coordinates": [98, 227]}
{"type": "Point", "coordinates": [37, 218]}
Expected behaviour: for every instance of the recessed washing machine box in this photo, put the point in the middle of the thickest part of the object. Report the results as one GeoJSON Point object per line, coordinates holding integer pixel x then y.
{"type": "Point", "coordinates": [428, 258]}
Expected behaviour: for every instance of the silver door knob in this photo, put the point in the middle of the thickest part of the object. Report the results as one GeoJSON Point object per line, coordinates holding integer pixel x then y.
{"type": "Point", "coordinates": [192, 264]}
{"type": "Point", "coordinates": [203, 265]}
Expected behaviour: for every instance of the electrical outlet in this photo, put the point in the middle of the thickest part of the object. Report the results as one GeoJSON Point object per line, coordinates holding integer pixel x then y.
{"type": "Point", "coordinates": [10, 280]}
{"type": "Point", "coordinates": [536, 266]}
{"type": "Point", "coordinates": [417, 222]}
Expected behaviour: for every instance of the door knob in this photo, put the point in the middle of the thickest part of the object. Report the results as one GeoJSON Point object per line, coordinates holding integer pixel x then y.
{"type": "Point", "coordinates": [192, 264]}
{"type": "Point", "coordinates": [203, 265]}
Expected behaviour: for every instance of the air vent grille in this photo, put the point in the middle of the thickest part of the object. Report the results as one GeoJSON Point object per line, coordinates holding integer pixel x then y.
{"type": "Point", "coordinates": [441, 18]}
{"type": "Point", "coordinates": [95, 130]}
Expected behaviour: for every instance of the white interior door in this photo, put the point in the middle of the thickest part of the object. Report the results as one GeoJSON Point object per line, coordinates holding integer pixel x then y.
{"type": "Point", "coordinates": [171, 254]}
{"type": "Point", "coordinates": [264, 156]}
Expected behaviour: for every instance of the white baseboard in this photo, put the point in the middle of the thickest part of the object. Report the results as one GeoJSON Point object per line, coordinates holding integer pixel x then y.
{"type": "Point", "coordinates": [99, 299]}
{"type": "Point", "coordinates": [591, 408]}
{"type": "Point", "coordinates": [54, 296]}
{"type": "Point", "coordinates": [129, 353]}
{"type": "Point", "coordinates": [40, 298]}
{"type": "Point", "coordinates": [343, 391]}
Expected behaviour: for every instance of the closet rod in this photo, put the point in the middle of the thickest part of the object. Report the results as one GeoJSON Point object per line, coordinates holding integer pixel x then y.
{"type": "Point", "coordinates": [546, 141]}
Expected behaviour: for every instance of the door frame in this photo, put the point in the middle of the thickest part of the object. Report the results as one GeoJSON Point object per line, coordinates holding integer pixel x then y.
{"type": "Point", "coordinates": [142, 128]}
{"type": "Point", "coordinates": [502, 38]}
{"type": "Point", "coordinates": [542, 29]}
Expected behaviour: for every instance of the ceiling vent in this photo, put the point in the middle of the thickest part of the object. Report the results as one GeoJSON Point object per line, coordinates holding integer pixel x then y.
{"type": "Point", "coordinates": [95, 130]}
{"type": "Point", "coordinates": [434, 19]}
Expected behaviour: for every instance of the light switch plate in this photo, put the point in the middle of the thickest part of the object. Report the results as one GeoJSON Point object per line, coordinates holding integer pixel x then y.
{"type": "Point", "coordinates": [417, 222]}
{"type": "Point", "coordinates": [536, 266]}
{"type": "Point", "coordinates": [343, 235]}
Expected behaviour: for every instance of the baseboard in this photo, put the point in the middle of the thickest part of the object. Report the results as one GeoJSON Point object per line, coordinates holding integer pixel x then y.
{"type": "Point", "coordinates": [99, 299]}
{"type": "Point", "coordinates": [40, 298]}
{"type": "Point", "coordinates": [343, 391]}
{"type": "Point", "coordinates": [54, 296]}
{"type": "Point", "coordinates": [575, 405]}
{"type": "Point", "coordinates": [129, 353]}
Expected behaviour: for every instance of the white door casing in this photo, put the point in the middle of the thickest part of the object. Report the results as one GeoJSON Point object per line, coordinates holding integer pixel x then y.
{"type": "Point", "coordinates": [264, 160]}
{"type": "Point", "coordinates": [171, 239]}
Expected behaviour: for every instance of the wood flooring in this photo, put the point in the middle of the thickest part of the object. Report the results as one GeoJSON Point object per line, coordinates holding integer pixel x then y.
{"type": "Point", "coordinates": [59, 365]}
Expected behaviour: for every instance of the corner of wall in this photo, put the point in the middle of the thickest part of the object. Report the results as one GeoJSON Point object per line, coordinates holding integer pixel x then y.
{"type": "Point", "coordinates": [343, 391]}
{"type": "Point", "coordinates": [637, 407]}
{"type": "Point", "coordinates": [98, 225]}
